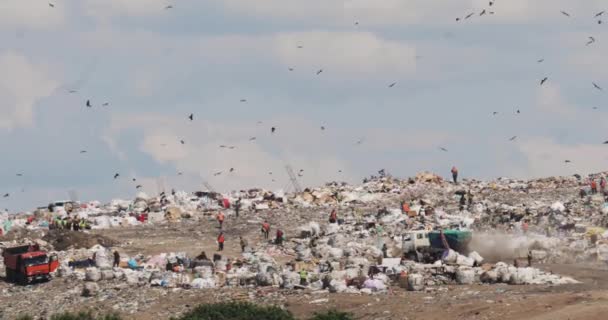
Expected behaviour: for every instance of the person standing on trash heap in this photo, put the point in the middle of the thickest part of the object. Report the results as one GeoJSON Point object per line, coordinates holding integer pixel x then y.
{"type": "Point", "coordinates": [116, 259]}
{"type": "Point", "coordinates": [303, 277]}
{"type": "Point", "coordinates": [333, 216]}
{"type": "Point", "coordinates": [529, 258]}
{"type": "Point", "coordinates": [385, 251]}
{"type": "Point", "coordinates": [593, 186]}
{"type": "Point", "coordinates": [237, 207]}
{"type": "Point", "coordinates": [265, 229]}
{"type": "Point", "coordinates": [220, 219]}
{"type": "Point", "coordinates": [279, 239]}
{"type": "Point", "coordinates": [455, 174]}
{"type": "Point", "coordinates": [243, 244]}
{"type": "Point", "coordinates": [220, 242]}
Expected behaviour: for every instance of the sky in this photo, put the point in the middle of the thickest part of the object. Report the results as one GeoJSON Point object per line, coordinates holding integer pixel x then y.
{"type": "Point", "coordinates": [153, 67]}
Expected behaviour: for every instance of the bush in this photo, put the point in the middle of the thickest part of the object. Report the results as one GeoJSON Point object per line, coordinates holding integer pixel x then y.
{"type": "Point", "coordinates": [237, 311]}
{"type": "Point", "coordinates": [84, 316]}
{"type": "Point", "coordinates": [332, 315]}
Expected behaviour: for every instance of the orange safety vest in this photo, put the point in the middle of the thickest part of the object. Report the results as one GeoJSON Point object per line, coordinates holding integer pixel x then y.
{"type": "Point", "coordinates": [220, 217]}
{"type": "Point", "coordinates": [220, 238]}
{"type": "Point", "coordinates": [266, 226]}
{"type": "Point", "coordinates": [406, 208]}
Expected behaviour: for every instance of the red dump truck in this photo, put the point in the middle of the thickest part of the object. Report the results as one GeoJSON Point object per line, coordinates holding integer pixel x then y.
{"type": "Point", "coordinates": [26, 264]}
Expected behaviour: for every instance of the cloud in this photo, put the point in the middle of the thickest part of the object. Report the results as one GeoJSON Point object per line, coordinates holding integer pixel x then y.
{"type": "Point", "coordinates": [22, 84]}
{"type": "Point", "coordinates": [251, 160]}
{"type": "Point", "coordinates": [30, 14]}
{"type": "Point", "coordinates": [110, 8]}
{"type": "Point", "coordinates": [347, 53]}
{"type": "Point", "coordinates": [399, 13]}
{"type": "Point", "coordinates": [545, 157]}
{"type": "Point", "coordinates": [550, 101]}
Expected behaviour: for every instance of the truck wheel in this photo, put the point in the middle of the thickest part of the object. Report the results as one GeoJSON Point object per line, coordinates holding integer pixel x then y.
{"type": "Point", "coordinates": [10, 275]}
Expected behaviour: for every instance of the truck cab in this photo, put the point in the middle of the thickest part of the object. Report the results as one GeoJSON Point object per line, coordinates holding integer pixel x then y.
{"type": "Point", "coordinates": [25, 264]}
{"type": "Point", "coordinates": [415, 241]}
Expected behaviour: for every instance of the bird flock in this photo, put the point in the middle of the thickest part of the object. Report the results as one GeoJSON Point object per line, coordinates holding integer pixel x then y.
{"type": "Point", "coordinates": [467, 17]}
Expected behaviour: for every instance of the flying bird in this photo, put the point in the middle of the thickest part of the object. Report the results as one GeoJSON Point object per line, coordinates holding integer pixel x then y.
{"type": "Point", "coordinates": [222, 146]}
{"type": "Point", "coordinates": [596, 86]}
{"type": "Point", "coordinates": [191, 116]}
{"type": "Point", "coordinates": [182, 142]}
{"type": "Point", "coordinates": [290, 69]}
{"type": "Point", "coordinates": [322, 128]}
{"type": "Point", "coordinates": [232, 147]}
{"type": "Point", "coordinates": [138, 186]}
{"type": "Point", "coordinates": [339, 171]}
{"type": "Point", "coordinates": [605, 142]}
{"type": "Point", "coordinates": [540, 60]}
{"type": "Point", "coordinates": [491, 3]}
{"type": "Point", "coordinates": [273, 129]}
{"type": "Point", "coordinates": [443, 149]}
{"type": "Point", "coordinates": [83, 151]}
{"type": "Point", "coordinates": [359, 142]}
{"type": "Point", "coordinates": [270, 173]}
{"type": "Point", "coordinates": [513, 138]}
{"type": "Point", "coordinates": [483, 12]}
{"type": "Point", "coordinates": [518, 111]}
{"type": "Point", "coordinates": [300, 47]}
{"type": "Point", "coordinates": [543, 81]}
{"type": "Point", "coordinates": [217, 173]}
{"type": "Point", "coordinates": [392, 84]}
{"type": "Point", "coordinates": [72, 91]}
{"type": "Point", "coordinates": [494, 113]}
{"type": "Point", "coordinates": [134, 179]}
{"type": "Point", "coordinates": [243, 100]}
{"type": "Point", "coordinates": [19, 174]}
{"type": "Point", "coordinates": [457, 19]}
{"type": "Point", "coordinates": [89, 103]}
{"type": "Point", "coordinates": [565, 13]}
{"type": "Point", "coordinates": [116, 176]}
{"type": "Point", "coordinates": [51, 5]}
{"type": "Point", "coordinates": [106, 104]}
{"type": "Point", "coordinates": [591, 40]}
{"type": "Point", "coordinates": [319, 72]}
{"type": "Point", "coordinates": [6, 195]}
{"type": "Point", "coordinates": [567, 161]}
{"type": "Point", "coordinates": [169, 7]}
{"type": "Point", "coordinates": [599, 14]}
{"type": "Point", "coordinates": [231, 169]}
{"type": "Point", "coordinates": [469, 15]}
{"type": "Point", "coordinates": [252, 138]}
{"type": "Point", "coordinates": [180, 173]}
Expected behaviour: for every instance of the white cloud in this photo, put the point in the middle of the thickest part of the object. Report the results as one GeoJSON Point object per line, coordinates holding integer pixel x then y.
{"type": "Point", "coordinates": [400, 12]}
{"type": "Point", "coordinates": [30, 14]}
{"type": "Point", "coordinates": [252, 161]}
{"type": "Point", "coordinates": [109, 8]}
{"type": "Point", "coordinates": [546, 157]}
{"type": "Point", "coordinates": [550, 101]}
{"type": "Point", "coordinates": [346, 53]}
{"type": "Point", "coordinates": [22, 84]}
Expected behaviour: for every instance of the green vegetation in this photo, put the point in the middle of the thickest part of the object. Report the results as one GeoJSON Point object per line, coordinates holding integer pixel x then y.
{"type": "Point", "coordinates": [236, 311]}
{"type": "Point", "coordinates": [218, 311]}
{"type": "Point", "coordinates": [332, 315]}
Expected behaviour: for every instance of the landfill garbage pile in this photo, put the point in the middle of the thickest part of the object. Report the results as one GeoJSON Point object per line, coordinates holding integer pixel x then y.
{"type": "Point", "coordinates": [515, 225]}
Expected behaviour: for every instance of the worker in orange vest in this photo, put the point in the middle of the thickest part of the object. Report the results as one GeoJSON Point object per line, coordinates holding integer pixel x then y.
{"type": "Point", "coordinates": [405, 207]}
{"type": "Point", "coordinates": [455, 174]}
{"type": "Point", "coordinates": [266, 229]}
{"type": "Point", "coordinates": [220, 219]}
{"type": "Point", "coordinates": [220, 242]}
{"type": "Point", "coordinates": [333, 217]}
{"type": "Point", "coordinates": [593, 186]}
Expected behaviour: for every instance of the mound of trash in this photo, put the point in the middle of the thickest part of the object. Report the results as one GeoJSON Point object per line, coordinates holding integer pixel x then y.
{"type": "Point", "coordinates": [66, 239]}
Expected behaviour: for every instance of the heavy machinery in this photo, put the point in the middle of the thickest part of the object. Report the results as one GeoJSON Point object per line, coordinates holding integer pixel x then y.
{"type": "Point", "coordinates": [428, 246]}
{"type": "Point", "coordinates": [26, 264]}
